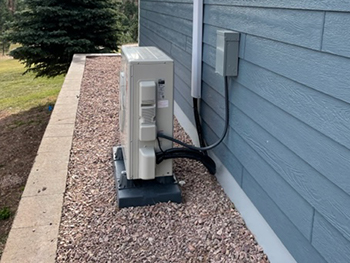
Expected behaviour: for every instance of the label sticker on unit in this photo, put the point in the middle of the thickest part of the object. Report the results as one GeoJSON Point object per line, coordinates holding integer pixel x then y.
{"type": "Point", "coordinates": [163, 103]}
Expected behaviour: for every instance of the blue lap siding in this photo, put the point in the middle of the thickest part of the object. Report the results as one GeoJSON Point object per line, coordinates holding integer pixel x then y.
{"type": "Point", "coordinates": [288, 145]}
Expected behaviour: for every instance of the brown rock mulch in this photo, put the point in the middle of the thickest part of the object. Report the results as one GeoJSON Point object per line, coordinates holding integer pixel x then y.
{"type": "Point", "coordinates": [206, 227]}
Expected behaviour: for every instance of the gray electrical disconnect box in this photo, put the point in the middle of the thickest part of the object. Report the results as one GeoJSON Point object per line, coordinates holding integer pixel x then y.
{"type": "Point", "coordinates": [227, 47]}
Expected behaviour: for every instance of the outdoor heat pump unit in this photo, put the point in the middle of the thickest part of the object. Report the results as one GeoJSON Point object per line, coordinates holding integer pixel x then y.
{"type": "Point", "coordinates": [145, 109]}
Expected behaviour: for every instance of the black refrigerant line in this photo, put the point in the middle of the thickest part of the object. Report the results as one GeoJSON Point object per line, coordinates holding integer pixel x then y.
{"type": "Point", "coordinates": [174, 153]}
{"type": "Point", "coordinates": [191, 151]}
{"type": "Point", "coordinates": [198, 123]}
{"type": "Point", "coordinates": [227, 112]}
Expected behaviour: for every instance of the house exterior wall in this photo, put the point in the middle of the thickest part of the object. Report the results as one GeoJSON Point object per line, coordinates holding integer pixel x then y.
{"type": "Point", "coordinates": [288, 145]}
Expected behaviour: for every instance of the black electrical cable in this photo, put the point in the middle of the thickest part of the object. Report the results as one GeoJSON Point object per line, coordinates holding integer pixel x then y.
{"type": "Point", "coordinates": [159, 146]}
{"type": "Point", "coordinates": [160, 135]}
{"type": "Point", "coordinates": [198, 123]}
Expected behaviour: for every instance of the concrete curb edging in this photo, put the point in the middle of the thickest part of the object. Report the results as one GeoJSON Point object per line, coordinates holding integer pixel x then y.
{"type": "Point", "coordinates": [34, 232]}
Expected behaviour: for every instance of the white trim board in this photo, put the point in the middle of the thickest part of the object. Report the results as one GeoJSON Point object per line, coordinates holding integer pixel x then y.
{"type": "Point", "coordinates": [256, 223]}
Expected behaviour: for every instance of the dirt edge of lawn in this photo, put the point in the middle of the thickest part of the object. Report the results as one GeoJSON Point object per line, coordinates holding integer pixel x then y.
{"type": "Point", "coordinates": [20, 137]}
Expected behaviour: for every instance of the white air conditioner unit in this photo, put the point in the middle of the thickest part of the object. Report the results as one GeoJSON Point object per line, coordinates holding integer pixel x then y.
{"type": "Point", "coordinates": [146, 108]}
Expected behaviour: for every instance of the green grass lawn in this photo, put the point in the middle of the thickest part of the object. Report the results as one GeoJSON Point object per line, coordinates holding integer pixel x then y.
{"type": "Point", "coordinates": [20, 92]}
{"type": "Point", "coordinates": [23, 118]}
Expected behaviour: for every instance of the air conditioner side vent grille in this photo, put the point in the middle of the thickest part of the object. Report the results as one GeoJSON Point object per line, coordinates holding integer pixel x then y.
{"type": "Point", "coordinates": [148, 114]}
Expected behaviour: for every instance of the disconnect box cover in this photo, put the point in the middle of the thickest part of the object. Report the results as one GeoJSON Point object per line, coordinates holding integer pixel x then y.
{"type": "Point", "coordinates": [227, 48]}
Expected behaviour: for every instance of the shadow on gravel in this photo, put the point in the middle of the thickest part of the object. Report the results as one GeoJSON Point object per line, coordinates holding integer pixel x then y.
{"type": "Point", "coordinates": [20, 137]}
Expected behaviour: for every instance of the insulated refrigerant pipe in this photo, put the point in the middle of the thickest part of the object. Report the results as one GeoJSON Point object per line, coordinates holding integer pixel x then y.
{"type": "Point", "coordinates": [197, 31]}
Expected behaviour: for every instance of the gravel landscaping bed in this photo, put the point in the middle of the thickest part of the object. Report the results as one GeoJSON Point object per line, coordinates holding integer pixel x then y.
{"type": "Point", "coordinates": [205, 228]}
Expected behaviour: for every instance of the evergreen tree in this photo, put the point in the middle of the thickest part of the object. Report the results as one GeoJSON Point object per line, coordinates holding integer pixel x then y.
{"type": "Point", "coordinates": [52, 31]}
{"type": "Point", "coordinates": [5, 18]}
{"type": "Point", "coordinates": [129, 22]}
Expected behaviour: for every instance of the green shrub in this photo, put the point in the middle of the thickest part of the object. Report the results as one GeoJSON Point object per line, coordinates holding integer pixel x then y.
{"type": "Point", "coordinates": [5, 213]}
